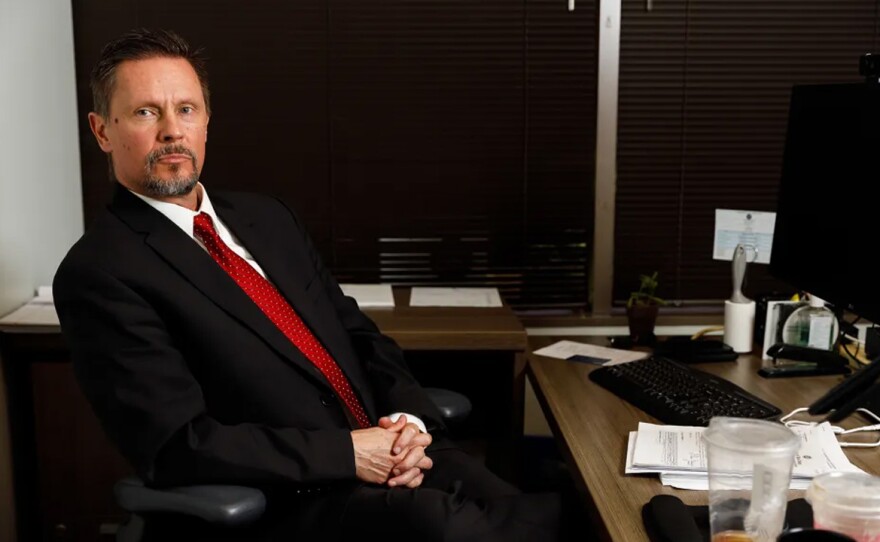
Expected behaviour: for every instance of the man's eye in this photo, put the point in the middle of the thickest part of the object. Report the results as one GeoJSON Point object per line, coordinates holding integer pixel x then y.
{"type": "Point", "coordinates": [187, 109]}
{"type": "Point", "coordinates": [143, 112]}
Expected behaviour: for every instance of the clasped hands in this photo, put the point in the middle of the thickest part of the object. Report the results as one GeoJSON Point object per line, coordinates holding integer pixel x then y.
{"type": "Point", "coordinates": [391, 453]}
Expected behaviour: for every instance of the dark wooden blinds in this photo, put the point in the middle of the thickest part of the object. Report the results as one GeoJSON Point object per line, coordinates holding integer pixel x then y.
{"type": "Point", "coordinates": [704, 93]}
{"type": "Point", "coordinates": [438, 142]}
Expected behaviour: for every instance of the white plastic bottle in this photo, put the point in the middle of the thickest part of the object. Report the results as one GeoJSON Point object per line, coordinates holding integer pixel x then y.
{"type": "Point", "coordinates": [812, 326]}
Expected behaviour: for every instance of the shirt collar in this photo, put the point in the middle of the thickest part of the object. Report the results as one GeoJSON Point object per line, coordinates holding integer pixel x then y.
{"type": "Point", "coordinates": [181, 216]}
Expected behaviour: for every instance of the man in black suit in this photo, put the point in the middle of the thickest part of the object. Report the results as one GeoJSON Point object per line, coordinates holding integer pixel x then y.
{"type": "Point", "coordinates": [215, 347]}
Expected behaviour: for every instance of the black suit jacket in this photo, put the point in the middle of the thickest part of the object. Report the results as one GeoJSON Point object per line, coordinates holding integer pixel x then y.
{"type": "Point", "coordinates": [190, 379]}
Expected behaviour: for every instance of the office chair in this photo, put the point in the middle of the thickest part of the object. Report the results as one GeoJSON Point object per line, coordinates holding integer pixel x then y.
{"type": "Point", "coordinates": [225, 505]}
{"type": "Point", "coordinates": [222, 505]}
{"type": "Point", "coordinates": [454, 406]}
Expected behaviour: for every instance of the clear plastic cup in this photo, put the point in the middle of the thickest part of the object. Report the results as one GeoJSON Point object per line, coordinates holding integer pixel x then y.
{"type": "Point", "coordinates": [848, 503]}
{"type": "Point", "coordinates": [750, 464]}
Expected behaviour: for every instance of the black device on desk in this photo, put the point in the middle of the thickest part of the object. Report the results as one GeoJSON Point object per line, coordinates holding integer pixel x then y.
{"type": "Point", "coordinates": [688, 350]}
{"type": "Point", "coordinates": [677, 394]}
{"type": "Point", "coordinates": [805, 362]}
{"type": "Point", "coordinates": [859, 389]}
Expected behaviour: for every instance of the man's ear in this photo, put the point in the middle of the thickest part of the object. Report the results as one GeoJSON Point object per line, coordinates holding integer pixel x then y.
{"type": "Point", "coordinates": [99, 127]}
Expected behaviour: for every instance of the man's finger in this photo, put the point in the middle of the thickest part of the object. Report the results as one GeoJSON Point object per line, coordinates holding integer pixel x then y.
{"type": "Point", "coordinates": [404, 478]}
{"type": "Point", "coordinates": [426, 463]}
{"type": "Point", "coordinates": [409, 460]}
{"type": "Point", "coordinates": [417, 481]}
{"type": "Point", "coordinates": [422, 439]}
{"type": "Point", "coordinates": [385, 422]}
{"type": "Point", "coordinates": [405, 437]}
{"type": "Point", "coordinates": [398, 425]}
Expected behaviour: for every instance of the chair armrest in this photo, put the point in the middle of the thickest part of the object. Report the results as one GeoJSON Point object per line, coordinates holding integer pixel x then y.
{"type": "Point", "coordinates": [452, 405]}
{"type": "Point", "coordinates": [219, 504]}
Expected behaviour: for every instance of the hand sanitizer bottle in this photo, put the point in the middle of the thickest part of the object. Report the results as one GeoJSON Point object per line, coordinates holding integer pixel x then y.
{"type": "Point", "coordinates": [811, 326]}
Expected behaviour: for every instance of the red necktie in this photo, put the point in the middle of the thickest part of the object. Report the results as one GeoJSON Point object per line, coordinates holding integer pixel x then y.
{"type": "Point", "coordinates": [279, 311]}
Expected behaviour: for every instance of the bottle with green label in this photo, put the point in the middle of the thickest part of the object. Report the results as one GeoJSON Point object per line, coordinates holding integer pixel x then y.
{"type": "Point", "coordinates": [812, 325]}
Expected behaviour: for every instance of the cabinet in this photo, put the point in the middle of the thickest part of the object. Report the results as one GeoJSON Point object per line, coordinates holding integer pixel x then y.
{"type": "Point", "coordinates": [64, 467]}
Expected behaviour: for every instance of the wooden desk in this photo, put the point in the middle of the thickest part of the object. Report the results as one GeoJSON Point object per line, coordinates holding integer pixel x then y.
{"type": "Point", "coordinates": [450, 328]}
{"type": "Point", "coordinates": [65, 467]}
{"type": "Point", "coordinates": [591, 426]}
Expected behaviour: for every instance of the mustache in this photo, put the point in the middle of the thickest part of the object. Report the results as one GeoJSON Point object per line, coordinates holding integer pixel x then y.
{"type": "Point", "coordinates": [154, 156]}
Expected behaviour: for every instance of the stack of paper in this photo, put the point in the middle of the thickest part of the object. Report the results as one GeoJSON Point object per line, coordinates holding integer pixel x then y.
{"type": "Point", "coordinates": [678, 454]}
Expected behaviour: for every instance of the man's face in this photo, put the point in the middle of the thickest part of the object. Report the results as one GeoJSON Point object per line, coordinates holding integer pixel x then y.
{"type": "Point", "coordinates": [156, 127]}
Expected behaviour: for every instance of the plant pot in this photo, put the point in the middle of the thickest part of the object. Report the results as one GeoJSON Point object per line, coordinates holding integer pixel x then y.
{"type": "Point", "coordinates": [641, 319]}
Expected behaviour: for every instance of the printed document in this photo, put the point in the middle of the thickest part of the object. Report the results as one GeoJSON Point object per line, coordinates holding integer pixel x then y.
{"type": "Point", "coordinates": [678, 454]}
{"type": "Point", "coordinates": [754, 229]}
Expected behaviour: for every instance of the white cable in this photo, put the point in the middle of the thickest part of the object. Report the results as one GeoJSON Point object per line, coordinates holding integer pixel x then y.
{"type": "Point", "coordinates": [854, 339]}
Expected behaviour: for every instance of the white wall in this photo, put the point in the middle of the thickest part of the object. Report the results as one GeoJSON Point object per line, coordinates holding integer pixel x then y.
{"type": "Point", "coordinates": [40, 194]}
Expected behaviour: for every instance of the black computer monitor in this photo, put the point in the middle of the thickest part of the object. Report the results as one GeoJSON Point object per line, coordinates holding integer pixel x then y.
{"type": "Point", "coordinates": [827, 216]}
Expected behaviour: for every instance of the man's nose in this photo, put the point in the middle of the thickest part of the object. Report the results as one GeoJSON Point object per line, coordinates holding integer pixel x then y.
{"type": "Point", "coordinates": [171, 129]}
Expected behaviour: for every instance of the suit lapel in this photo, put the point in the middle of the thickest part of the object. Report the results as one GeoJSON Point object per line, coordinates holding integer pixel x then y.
{"type": "Point", "coordinates": [265, 250]}
{"type": "Point", "coordinates": [196, 266]}
{"type": "Point", "coordinates": [288, 275]}
{"type": "Point", "coordinates": [280, 268]}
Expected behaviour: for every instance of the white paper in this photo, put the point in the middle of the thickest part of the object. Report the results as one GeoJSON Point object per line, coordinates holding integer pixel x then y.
{"type": "Point", "coordinates": [39, 311]}
{"type": "Point", "coordinates": [630, 450]}
{"type": "Point", "coordinates": [819, 452]}
{"type": "Point", "coordinates": [670, 447]}
{"type": "Point", "coordinates": [678, 455]}
{"type": "Point", "coordinates": [369, 295]}
{"type": "Point", "coordinates": [454, 297]}
{"type": "Point", "coordinates": [700, 482]}
{"type": "Point", "coordinates": [590, 353]}
{"type": "Point", "coordinates": [751, 228]}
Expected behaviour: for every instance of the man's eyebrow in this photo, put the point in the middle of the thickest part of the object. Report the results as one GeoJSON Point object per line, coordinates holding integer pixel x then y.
{"type": "Point", "coordinates": [147, 103]}
{"type": "Point", "coordinates": [157, 105]}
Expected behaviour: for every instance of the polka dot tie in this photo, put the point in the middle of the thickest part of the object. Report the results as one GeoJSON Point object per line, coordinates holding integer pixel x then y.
{"type": "Point", "coordinates": [279, 311]}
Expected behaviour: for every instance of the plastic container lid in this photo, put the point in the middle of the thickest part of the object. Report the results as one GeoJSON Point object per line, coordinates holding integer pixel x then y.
{"type": "Point", "coordinates": [750, 435]}
{"type": "Point", "coordinates": [853, 494]}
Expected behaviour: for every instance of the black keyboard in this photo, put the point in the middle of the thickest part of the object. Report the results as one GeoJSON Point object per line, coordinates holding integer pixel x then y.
{"type": "Point", "coordinates": [680, 395]}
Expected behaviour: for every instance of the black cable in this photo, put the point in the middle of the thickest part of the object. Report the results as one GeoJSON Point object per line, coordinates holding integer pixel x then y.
{"type": "Point", "coordinates": [841, 332]}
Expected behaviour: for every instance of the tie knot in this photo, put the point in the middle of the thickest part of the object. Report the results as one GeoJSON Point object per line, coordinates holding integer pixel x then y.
{"type": "Point", "coordinates": [203, 226]}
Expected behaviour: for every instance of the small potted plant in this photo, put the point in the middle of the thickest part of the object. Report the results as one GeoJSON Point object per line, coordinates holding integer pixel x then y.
{"type": "Point", "coordinates": [641, 310]}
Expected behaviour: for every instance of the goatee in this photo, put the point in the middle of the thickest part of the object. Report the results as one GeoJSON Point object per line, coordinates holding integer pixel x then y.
{"type": "Point", "coordinates": [177, 185]}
